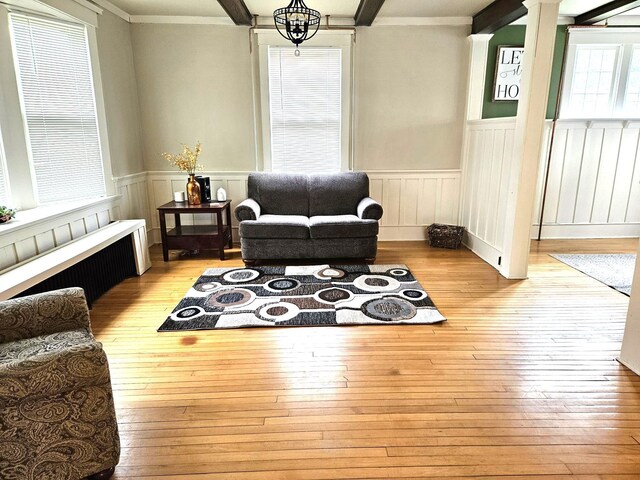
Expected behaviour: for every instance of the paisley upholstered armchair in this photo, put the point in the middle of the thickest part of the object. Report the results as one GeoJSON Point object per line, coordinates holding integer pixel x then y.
{"type": "Point", "coordinates": [57, 418]}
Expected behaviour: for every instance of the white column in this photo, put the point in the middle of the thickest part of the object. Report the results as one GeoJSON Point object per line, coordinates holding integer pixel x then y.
{"type": "Point", "coordinates": [630, 354]}
{"type": "Point", "coordinates": [542, 19]}
{"type": "Point", "coordinates": [478, 51]}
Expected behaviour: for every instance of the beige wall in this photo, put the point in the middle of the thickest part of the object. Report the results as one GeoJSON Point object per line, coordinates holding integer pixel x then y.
{"type": "Point", "coordinates": [409, 97]}
{"type": "Point", "coordinates": [194, 83]}
{"type": "Point", "coordinates": [120, 94]}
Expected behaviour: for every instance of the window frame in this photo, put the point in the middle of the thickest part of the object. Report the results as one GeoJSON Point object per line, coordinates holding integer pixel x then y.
{"type": "Point", "coordinates": [21, 180]}
{"type": "Point", "coordinates": [611, 37]}
{"type": "Point", "coordinates": [324, 39]}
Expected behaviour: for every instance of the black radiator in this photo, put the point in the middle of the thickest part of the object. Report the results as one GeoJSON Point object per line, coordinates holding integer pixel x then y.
{"type": "Point", "coordinates": [96, 274]}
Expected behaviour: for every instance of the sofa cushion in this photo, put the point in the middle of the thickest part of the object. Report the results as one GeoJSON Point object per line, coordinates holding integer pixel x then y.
{"type": "Point", "coordinates": [337, 194]}
{"type": "Point", "coordinates": [342, 226]}
{"type": "Point", "coordinates": [276, 226]}
{"type": "Point", "coordinates": [280, 194]}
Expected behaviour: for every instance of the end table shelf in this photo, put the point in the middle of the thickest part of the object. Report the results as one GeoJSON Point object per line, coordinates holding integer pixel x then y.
{"type": "Point", "coordinates": [196, 237]}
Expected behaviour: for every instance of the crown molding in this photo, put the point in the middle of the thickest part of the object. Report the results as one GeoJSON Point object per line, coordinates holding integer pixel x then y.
{"type": "Point", "coordinates": [426, 21]}
{"type": "Point", "coordinates": [107, 5]}
{"type": "Point", "coordinates": [181, 20]}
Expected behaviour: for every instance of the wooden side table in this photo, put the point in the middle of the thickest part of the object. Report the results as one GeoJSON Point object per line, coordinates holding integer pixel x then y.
{"type": "Point", "coordinates": [196, 237]}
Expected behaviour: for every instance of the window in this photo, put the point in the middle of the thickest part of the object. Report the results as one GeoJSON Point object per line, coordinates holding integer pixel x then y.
{"type": "Point", "coordinates": [305, 103]}
{"type": "Point", "coordinates": [632, 97]}
{"type": "Point", "coordinates": [58, 104]}
{"type": "Point", "coordinates": [305, 109]}
{"type": "Point", "coordinates": [602, 74]}
{"type": "Point", "coordinates": [592, 83]}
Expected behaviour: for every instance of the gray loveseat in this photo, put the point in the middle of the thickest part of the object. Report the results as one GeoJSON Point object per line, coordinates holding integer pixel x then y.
{"type": "Point", "coordinates": [308, 217]}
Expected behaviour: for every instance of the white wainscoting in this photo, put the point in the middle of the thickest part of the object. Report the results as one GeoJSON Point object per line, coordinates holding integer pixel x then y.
{"type": "Point", "coordinates": [593, 189]}
{"type": "Point", "coordinates": [37, 231]}
{"type": "Point", "coordinates": [411, 199]}
{"type": "Point", "coordinates": [134, 197]}
{"type": "Point", "coordinates": [594, 180]}
{"type": "Point", "coordinates": [486, 174]}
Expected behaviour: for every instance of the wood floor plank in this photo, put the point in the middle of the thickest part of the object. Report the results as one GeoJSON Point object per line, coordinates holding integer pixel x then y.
{"type": "Point", "coordinates": [520, 383]}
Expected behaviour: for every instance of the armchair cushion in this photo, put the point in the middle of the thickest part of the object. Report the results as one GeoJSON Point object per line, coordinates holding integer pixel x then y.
{"type": "Point", "coordinates": [369, 209]}
{"type": "Point", "coordinates": [276, 226]}
{"type": "Point", "coordinates": [342, 226]}
{"type": "Point", "coordinates": [247, 210]}
{"type": "Point", "coordinates": [49, 365]}
{"type": "Point", "coordinates": [43, 314]}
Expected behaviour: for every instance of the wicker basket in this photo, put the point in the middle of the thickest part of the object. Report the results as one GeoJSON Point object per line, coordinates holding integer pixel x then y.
{"type": "Point", "coordinates": [445, 236]}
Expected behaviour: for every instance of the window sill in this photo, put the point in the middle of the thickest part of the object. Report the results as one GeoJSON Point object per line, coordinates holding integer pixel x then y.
{"type": "Point", "coordinates": [48, 213]}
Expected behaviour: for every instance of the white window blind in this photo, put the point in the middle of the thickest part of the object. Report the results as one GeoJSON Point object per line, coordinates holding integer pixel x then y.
{"type": "Point", "coordinates": [56, 88]}
{"type": "Point", "coordinates": [305, 96]}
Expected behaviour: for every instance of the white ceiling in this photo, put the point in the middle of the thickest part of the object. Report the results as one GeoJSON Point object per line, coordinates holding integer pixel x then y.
{"type": "Point", "coordinates": [432, 8]}
{"type": "Point", "coordinates": [197, 8]}
{"type": "Point", "coordinates": [338, 8]}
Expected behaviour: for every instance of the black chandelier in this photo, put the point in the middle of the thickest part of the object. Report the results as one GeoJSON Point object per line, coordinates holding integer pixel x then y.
{"type": "Point", "coordinates": [296, 21]}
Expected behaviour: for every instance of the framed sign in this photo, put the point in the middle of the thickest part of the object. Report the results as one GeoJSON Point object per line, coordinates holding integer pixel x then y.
{"type": "Point", "coordinates": [506, 86]}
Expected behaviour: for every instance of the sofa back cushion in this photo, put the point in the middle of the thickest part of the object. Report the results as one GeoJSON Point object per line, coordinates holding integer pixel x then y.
{"type": "Point", "coordinates": [337, 194]}
{"type": "Point", "coordinates": [279, 193]}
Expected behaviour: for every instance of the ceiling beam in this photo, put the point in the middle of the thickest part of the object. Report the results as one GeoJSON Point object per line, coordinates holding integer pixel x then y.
{"type": "Point", "coordinates": [497, 15]}
{"type": "Point", "coordinates": [367, 12]}
{"type": "Point", "coordinates": [605, 11]}
{"type": "Point", "coordinates": [237, 11]}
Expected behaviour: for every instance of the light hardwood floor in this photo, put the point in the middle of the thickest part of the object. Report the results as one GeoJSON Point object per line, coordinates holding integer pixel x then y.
{"type": "Point", "coordinates": [520, 383]}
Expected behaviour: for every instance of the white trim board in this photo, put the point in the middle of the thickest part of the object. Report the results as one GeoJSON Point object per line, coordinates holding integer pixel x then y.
{"type": "Point", "coordinates": [486, 252]}
{"type": "Point", "coordinates": [107, 5]}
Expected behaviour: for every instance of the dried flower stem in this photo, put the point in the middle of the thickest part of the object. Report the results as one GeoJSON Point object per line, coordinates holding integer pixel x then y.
{"type": "Point", "coordinates": [187, 160]}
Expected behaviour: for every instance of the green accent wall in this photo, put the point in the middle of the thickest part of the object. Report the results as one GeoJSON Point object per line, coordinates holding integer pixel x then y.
{"type": "Point", "coordinates": [513, 35]}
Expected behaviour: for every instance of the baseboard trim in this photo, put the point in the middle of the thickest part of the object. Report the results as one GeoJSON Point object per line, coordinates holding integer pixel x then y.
{"type": "Point", "coordinates": [591, 230]}
{"type": "Point", "coordinates": [486, 252]}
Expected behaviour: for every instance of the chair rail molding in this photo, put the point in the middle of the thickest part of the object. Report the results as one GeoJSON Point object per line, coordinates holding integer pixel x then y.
{"type": "Point", "coordinates": [412, 199]}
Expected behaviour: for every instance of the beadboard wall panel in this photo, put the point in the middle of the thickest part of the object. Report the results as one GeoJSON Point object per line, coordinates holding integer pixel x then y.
{"type": "Point", "coordinates": [21, 242]}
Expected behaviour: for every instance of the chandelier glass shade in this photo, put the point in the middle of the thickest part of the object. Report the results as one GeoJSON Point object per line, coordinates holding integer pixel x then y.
{"type": "Point", "coordinates": [297, 22]}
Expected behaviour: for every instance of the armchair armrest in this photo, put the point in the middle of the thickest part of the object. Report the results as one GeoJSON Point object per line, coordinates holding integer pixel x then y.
{"type": "Point", "coordinates": [43, 314]}
{"type": "Point", "coordinates": [52, 373]}
{"type": "Point", "coordinates": [247, 210]}
{"type": "Point", "coordinates": [369, 209]}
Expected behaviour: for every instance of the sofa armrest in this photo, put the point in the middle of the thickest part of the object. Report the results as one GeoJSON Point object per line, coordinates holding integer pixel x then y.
{"type": "Point", "coordinates": [43, 314]}
{"type": "Point", "coordinates": [247, 210]}
{"type": "Point", "coordinates": [369, 209]}
{"type": "Point", "coordinates": [52, 373]}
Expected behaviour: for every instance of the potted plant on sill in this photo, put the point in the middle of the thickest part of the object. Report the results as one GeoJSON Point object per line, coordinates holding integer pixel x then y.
{"type": "Point", "coordinates": [6, 214]}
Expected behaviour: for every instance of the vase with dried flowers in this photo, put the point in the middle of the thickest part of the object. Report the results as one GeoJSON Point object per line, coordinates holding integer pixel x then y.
{"type": "Point", "coordinates": [187, 161]}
